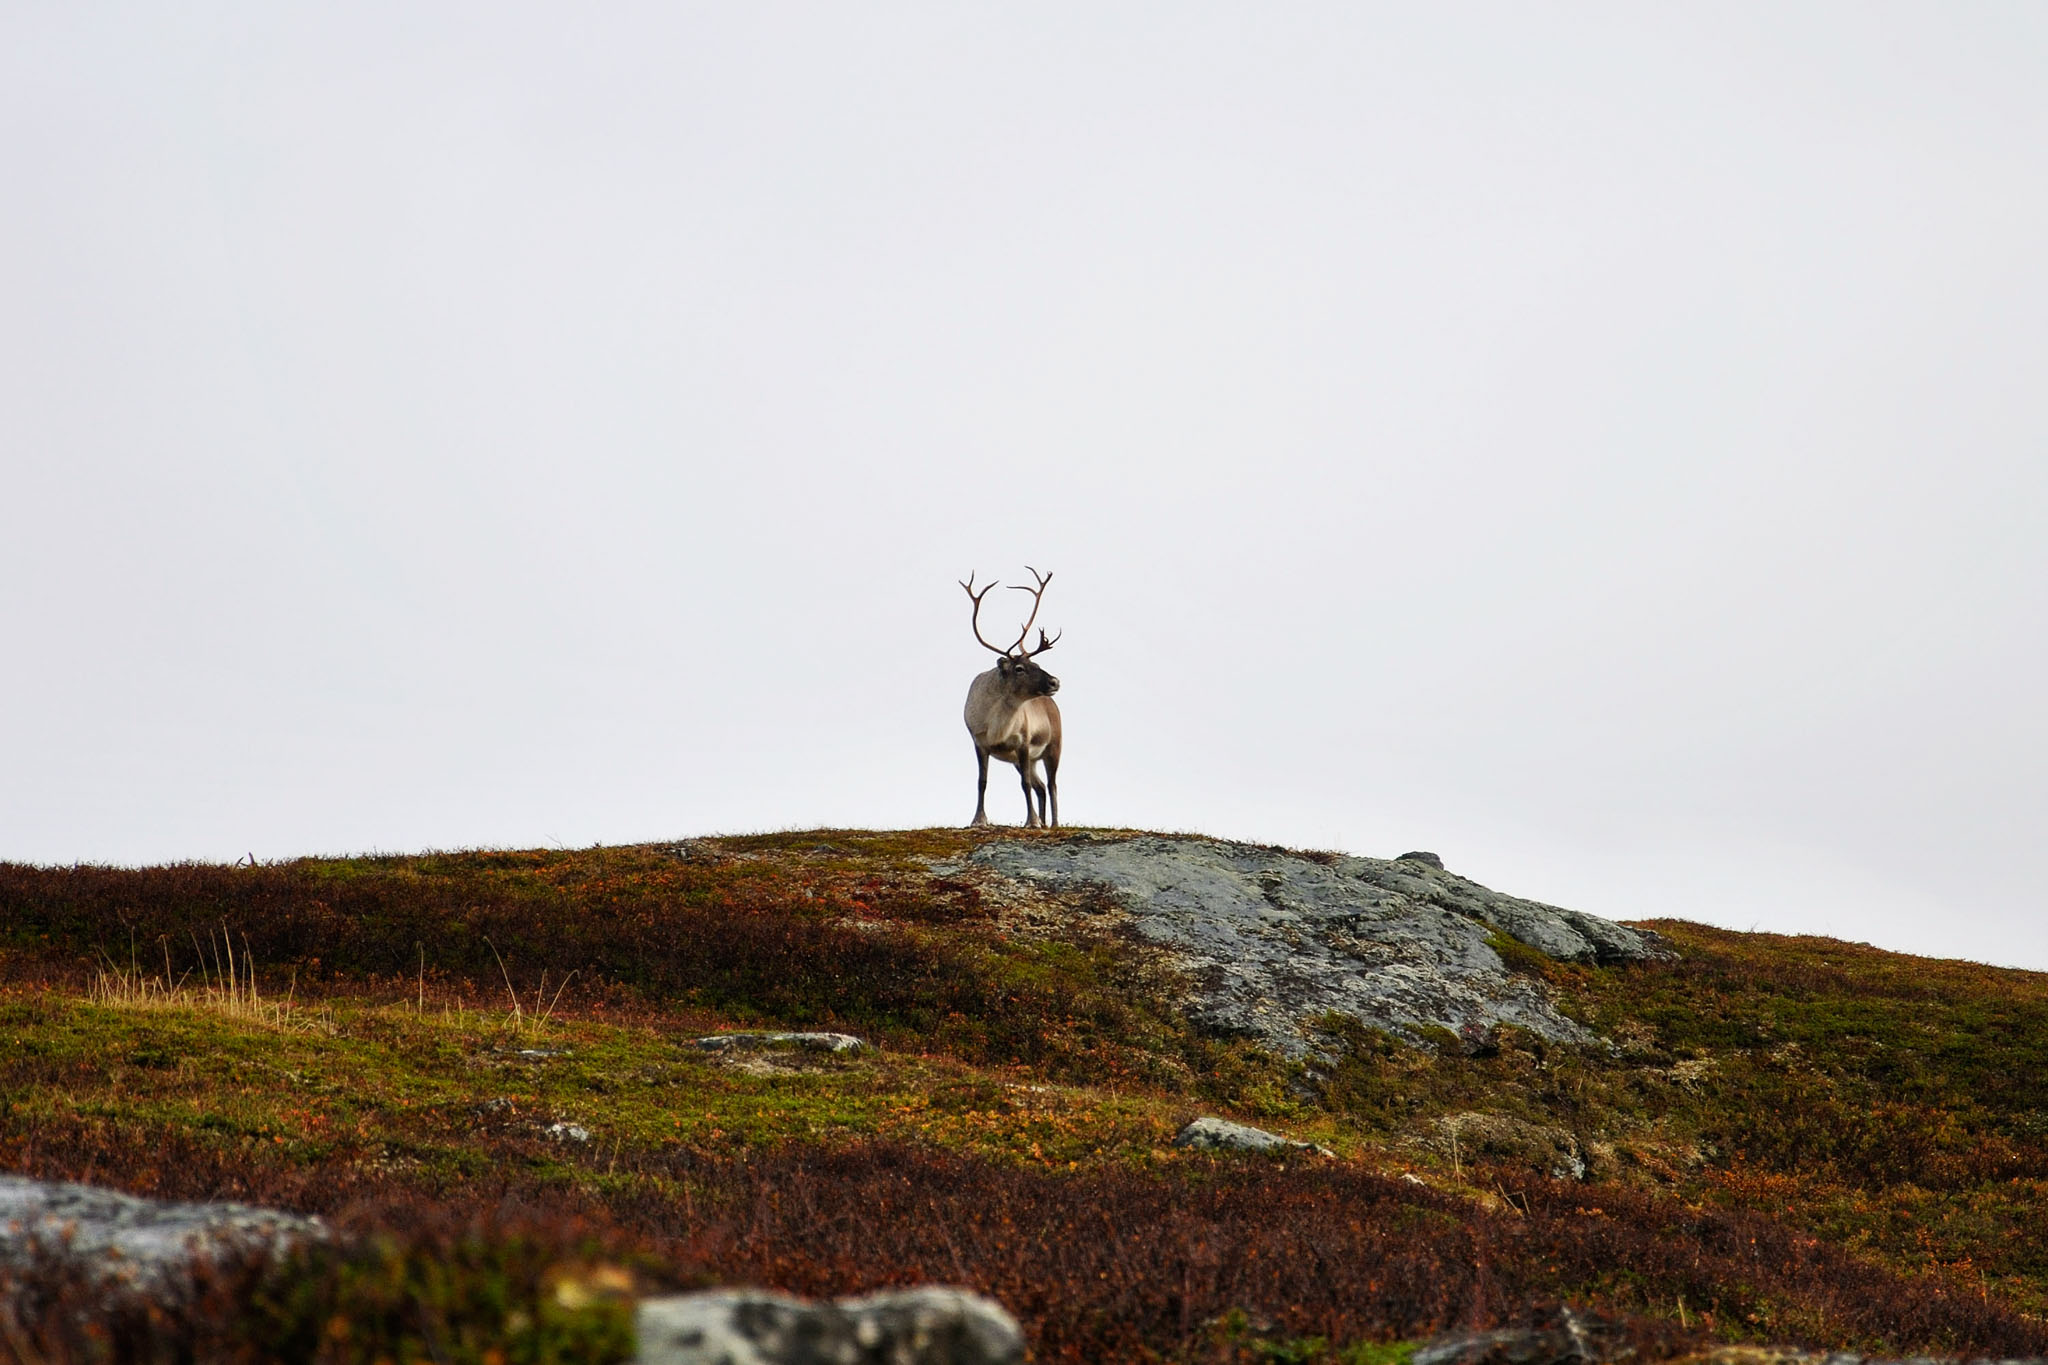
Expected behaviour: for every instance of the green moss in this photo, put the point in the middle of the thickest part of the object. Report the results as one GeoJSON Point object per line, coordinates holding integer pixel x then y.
{"type": "Point", "coordinates": [436, 1088]}
{"type": "Point", "coordinates": [1380, 1353]}
{"type": "Point", "coordinates": [1236, 1333]}
{"type": "Point", "coordinates": [466, 1298]}
{"type": "Point", "coordinates": [1518, 956]}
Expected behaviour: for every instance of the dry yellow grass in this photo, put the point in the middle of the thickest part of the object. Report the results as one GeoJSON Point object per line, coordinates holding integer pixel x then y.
{"type": "Point", "coordinates": [227, 986]}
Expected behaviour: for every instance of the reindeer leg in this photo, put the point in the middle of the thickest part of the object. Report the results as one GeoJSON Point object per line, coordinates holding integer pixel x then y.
{"type": "Point", "coordinates": [1038, 785]}
{"type": "Point", "coordinates": [1052, 782]}
{"type": "Point", "coordinates": [981, 788]}
{"type": "Point", "coordinates": [1024, 774]}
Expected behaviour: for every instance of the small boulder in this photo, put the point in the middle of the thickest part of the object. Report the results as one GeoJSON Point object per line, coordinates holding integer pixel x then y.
{"type": "Point", "coordinates": [1427, 859]}
{"type": "Point", "coordinates": [1221, 1135]}
{"type": "Point", "coordinates": [927, 1326]}
{"type": "Point", "coordinates": [809, 1042]}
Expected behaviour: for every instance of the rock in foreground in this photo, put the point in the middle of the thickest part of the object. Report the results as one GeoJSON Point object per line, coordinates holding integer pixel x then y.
{"type": "Point", "coordinates": [140, 1241]}
{"type": "Point", "coordinates": [929, 1326]}
{"type": "Point", "coordinates": [149, 1247]}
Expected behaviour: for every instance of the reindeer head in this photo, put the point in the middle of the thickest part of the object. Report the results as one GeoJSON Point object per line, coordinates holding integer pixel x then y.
{"type": "Point", "coordinates": [1017, 667]}
{"type": "Point", "coordinates": [1024, 678]}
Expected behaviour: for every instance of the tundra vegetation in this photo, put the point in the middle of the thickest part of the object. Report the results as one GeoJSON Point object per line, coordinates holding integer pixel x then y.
{"type": "Point", "coordinates": [1775, 1139]}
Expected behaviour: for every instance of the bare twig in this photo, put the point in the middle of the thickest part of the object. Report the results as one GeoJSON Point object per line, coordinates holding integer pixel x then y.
{"type": "Point", "coordinates": [518, 1013]}
{"type": "Point", "coordinates": [558, 995]}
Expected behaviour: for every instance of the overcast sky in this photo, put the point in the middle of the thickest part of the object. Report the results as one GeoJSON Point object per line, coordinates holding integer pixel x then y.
{"type": "Point", "coordinates": [1606, 445]}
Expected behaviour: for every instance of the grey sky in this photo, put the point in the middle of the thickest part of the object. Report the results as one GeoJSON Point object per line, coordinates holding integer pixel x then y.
{"type": "Point", "coordinates": [1607, 445]}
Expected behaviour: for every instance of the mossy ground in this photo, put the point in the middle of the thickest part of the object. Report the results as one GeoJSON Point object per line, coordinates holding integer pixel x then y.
{"type": "Point", "coordinates": [1878, 1124]}
{"type": "Point", "coordinates": [441, 1090]}
{"type": "Point", "coordinates": [1892, 1104]}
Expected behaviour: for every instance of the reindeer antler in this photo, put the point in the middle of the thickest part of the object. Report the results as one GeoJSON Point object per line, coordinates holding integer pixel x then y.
{"type": "Point", "coordinates": [977, 596]}
{"type": "Point", "coordinates": [1037, 596]}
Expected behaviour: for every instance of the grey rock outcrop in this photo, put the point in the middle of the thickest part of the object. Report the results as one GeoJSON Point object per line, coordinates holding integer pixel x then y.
{"type": "Point", "coordinates": [930, 1326]}
{"type": "Point", "coordinates": [143, 1242]}
{"type": "Point", "coordinates": [1275, 940]}
{"type": "Point", "coordinates": [1221, 1135]}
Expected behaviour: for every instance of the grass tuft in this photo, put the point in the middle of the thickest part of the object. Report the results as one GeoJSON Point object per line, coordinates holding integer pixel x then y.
{"type": "Point", "coordinates": [227, 986]}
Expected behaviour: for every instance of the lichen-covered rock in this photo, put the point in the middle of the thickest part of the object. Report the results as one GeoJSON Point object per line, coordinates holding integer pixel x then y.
{"type": "Point", "coordinates": [144, 1242]}
{"type": "Point", "coordinates": [1275, 940]}
{"type": "Point", "coordinates": [809, 1042]}
{"type": "Point", "coordinates": [1221, 1135]}
{"type": "Point", "coordinates": [929, 1326]}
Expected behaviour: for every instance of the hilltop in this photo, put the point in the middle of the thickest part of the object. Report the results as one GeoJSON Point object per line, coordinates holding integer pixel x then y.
{"type": "Point", "coordinates": [481, 1067]}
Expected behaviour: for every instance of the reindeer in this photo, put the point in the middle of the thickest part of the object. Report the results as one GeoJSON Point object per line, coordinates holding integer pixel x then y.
{"type": "Point", "coordinates": [1011, 715]}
